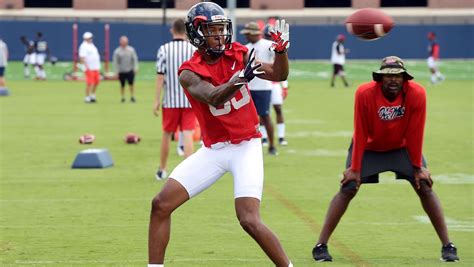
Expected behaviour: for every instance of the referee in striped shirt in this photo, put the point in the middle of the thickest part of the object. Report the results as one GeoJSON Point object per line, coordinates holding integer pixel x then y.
{"type": "Point", "coordinates": [177, 112]}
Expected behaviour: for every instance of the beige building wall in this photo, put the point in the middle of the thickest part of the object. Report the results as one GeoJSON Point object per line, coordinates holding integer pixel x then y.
{"type": "Point", "coordinates": [365, 3]}
{"type": "Point", "coordinates": [185, 4]}
{"type": "Point", "coordinates": [450, 3]}
{"type": "Point", "coordinates": [276, 4]}
{"type": "Point", "coordinates": [100, 4]}
{"type": "Point", "coordinates": [11, 4]}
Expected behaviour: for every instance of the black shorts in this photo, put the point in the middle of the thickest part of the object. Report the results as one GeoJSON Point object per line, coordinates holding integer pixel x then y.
{"type": "Point", "coordinates": [2, 71]}
{"type": "Point", "coordinates": [374, 162]}
{"type": "Point", "coordinates": [338, 69]}
{"type": "Point", "coordinates": [262, 99]}
{"type": "Point", "coordinates": [126, 76]}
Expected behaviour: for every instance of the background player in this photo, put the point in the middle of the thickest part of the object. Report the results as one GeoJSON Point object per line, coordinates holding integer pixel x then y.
{"type": "Point", "coordinates": [125, 61]}
{"type": "Point", "coordinates": [215, 81]}
{"type": "Point", "coordinates": [338, 59]}
{"type": "Point", "coordinates": [90, 60]}
{"type": "Point", "coordinates": [389, 122]}
{"type": "Point", "coordinates": [29, 58]}
{"type": "Point", "coordinates": [261, 89]}
{"type": "Point", "coordinates": [41, 54]}
{"type": "Point", "coordinates": [177, 111]}
{"type": "Point", "coordinates": [3, 62]}
{"type": "Point", "coordinates": [433, 59]}
{"type": "Point", "coordinates": [279, 94]}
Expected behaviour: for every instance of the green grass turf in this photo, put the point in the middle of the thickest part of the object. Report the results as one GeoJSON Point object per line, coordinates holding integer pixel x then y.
{"type": "Point", "coordinates": [53, 215]}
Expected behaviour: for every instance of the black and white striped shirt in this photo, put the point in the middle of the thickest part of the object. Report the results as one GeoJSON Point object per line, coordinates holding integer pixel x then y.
{"type": "Point", "coordinates": [170, 57]}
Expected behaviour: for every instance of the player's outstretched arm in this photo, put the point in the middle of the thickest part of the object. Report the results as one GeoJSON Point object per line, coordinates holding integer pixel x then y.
{"type": "Point", "coordinates": [278, 71]}
{"type": "Point", "coordinates": [205, 92]}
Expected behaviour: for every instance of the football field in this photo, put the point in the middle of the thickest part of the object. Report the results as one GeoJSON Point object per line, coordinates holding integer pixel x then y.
{"type": "Point", "coordinates": [51, 214]}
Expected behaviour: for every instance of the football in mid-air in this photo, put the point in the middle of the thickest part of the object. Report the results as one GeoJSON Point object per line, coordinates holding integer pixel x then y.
{"type": "Point", "coordinates": [369, 24]}
{"type": "Point", "coordinates": [132, 138]}
{"type": "Point", "coordinates": [87, 139]}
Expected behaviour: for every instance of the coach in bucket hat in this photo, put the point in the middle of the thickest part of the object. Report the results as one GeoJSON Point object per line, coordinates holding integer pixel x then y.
{"type": "Point", "coordinates": [391, 65]}
{"type": "Point", "coordinates": [251, 28]}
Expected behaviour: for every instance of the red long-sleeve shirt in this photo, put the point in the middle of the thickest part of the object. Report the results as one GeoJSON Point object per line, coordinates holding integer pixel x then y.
{"type": "Point", "coordinates": [381, 125]}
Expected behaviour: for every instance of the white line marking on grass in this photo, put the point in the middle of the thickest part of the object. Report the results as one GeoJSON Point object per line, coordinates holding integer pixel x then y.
{"type": "Point", "coordinates": [453, 225]}
{"type": "Point", "coordinates": [448, 178]}
{"type": "Point", "coordinates": [75, 199]}
{"type": "Point", "coordinates": [318, 152]}
{"type": "Point", "coordinates": [304, 134]}
{"type": "Point", "coordinates": [454, 178]}
{"type": "Point", "coordinates": [304, 121]}
{"type": "Point", "coordinates": [138, 260]}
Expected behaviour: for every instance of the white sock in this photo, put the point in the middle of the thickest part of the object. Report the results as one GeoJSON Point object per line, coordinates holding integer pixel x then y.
{"type": "Point", "coordinates": [433, 78]}
{"type": "Point", "coordinates": [281, 130]}
{"type": "Point", "coordinates": [263, 130]}
{"type": "Point", "coordinates": [156, 265]}
{"type": "Point", "coordinates": [43, 74]}
{"type": "Point", "coordinates": [180, 139]}
{"type": "Point", "coordinates": [290, 265]}
{"type": "Point", "coordinates": [37, 71]}
{"type": "Point", "coordinates": [27, 71]}
{"type": "Point", "coordinates": [92, 96]}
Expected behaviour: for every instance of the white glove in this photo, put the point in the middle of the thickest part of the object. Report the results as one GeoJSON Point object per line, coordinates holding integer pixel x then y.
{"type": "Point", "coordinates": [281, 36]}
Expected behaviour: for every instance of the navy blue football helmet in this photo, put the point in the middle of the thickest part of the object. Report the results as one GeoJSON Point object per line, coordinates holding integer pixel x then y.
{"type": "Point", "coordinates": [199, 17]}
{"type": "Point", "coordinates": [266, 32]}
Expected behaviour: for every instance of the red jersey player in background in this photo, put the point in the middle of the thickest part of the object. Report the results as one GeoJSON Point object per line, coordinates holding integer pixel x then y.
{"type": "Point", "coordinates": [215, 80]}
{"type": "Point", "coordinates": [433, 59]}
{"type": "Point", "coordinates": [389, 121]}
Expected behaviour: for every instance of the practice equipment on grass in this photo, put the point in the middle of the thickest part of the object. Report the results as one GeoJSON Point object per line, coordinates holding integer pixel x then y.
{"type": "Point", "coordinates": [93, 158]}
{"type": "Point", "coordinates": [199, 18]}
{"type": "Point", "coordinates": [369, 24]}
{"type": "Point", "coordinates": [280, 36]}
{"type": "Point", "coordinates": [132, 138]}
{"type": "Point", "coordinates": [4, 91]}
{"type": "Point", "coordinates": [87, 139]}
{"type": "Point", "coordinates": [250, 70]}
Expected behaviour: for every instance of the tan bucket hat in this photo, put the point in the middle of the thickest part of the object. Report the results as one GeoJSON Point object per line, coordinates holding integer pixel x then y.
{"type": "Point", "coordinates": [391, 65]}
{"type": "Point", "coordinates": [251, 28]}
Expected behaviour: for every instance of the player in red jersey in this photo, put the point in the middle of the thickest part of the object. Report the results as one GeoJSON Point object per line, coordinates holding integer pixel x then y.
{"type": "Point", "coordinates": [433, 59]}
{"type": "Point", "coordinates": [215, 81]}
{"type": "Point", "coordinates": [389, 121]}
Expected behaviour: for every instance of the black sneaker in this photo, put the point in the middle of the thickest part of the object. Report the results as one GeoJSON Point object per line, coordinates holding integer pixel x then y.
{"type": "Point", "coordinates": [272, 151]}
{"type": "Point", "coordinates": [449, 253]}
{"type": "Point", "coordinates": [161, 175]}
{"type": "Point", "coordinates": [321, 253]}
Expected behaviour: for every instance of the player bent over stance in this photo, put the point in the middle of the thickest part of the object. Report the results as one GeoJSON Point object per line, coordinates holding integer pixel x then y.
{"type": "Point", "coordinates": [389, 121]}
{"type": "Point", "coordinates": [215, 81]}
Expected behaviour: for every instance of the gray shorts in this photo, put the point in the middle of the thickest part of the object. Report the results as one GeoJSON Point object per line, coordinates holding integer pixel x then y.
{"type": "Point", "coordinates": [374, 162]}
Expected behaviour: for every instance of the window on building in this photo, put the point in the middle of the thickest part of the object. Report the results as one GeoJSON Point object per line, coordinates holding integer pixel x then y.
{"type": "Point", "coordinates": [403, 3]}
{"type": "Point", "coordinates": [327, 3]}
{"type": "Point", "coordinates": [49, 3]}
{"type": "Point", "coordinates": [149, 3]}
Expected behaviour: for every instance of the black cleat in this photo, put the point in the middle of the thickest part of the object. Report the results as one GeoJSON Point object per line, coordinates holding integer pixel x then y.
{"type": "Point", "coordinates": [321, 253]}
{"type": "Point", "coordinates": [272, 151]}
{"type": "Point", "coordinates": [123, 100]}
{"type": "Point", "coordinates": [449, 253]}
{"type": "Point", "coordinates": [132, 99]}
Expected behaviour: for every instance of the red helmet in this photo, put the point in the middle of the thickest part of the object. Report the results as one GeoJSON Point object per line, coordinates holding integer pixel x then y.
{"type": "Point", "coordinates": [341, 37]}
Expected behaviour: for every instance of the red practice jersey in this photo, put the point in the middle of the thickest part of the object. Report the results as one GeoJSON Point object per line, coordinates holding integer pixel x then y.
{"type": "Point", "coordinates": [381, 125]}
{"type": "Point", "coordinates": [234, 121]}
